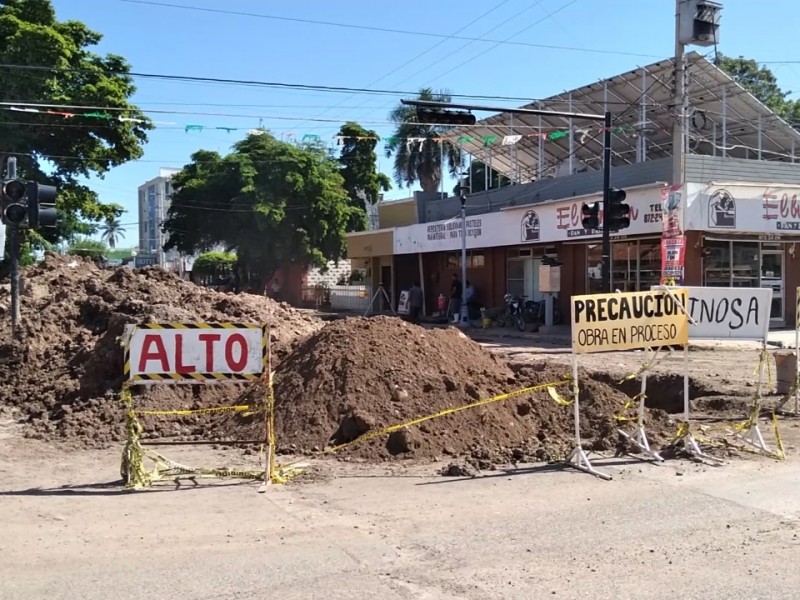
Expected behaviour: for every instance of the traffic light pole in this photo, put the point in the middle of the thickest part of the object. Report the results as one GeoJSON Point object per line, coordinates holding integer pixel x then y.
{"type": "Point", "coordinates": [606, 203]}
{"type": "Point", "coordinates": [13, 253]}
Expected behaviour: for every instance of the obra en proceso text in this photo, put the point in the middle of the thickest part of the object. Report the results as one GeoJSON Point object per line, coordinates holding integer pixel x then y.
{"type": "Point", "coordinates": [624, 320]}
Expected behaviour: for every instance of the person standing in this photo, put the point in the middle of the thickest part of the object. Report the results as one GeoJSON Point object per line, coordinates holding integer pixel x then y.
{"type": "Point", "coordinates": [276, 290]}
{"type": "Point", "coordinates": [456, 294]}
{"type": "Point", "coordinates": [415, 302]}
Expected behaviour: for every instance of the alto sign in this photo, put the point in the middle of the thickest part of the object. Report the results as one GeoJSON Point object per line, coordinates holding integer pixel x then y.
{"type": "Point", "coordinates": [195, 352]}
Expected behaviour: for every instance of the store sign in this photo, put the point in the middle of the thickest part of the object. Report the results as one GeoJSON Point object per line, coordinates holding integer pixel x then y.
{"type": "Point", "coordinates": [634, 320]}
{"type": "Point", "coordinates": [729, 313]}
{"type": "Point", "coordinates": [548, 222]}
{"type": "Point", "coordinates": [752, 209]}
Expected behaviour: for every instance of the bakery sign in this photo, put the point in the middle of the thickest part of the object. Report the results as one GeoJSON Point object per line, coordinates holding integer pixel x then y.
{"type": "Point", "coordinates": [744, 208]}
{"type": "Point", "coordinates": [548, 222]}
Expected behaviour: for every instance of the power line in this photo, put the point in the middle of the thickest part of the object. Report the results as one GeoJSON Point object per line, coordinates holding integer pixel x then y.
{"type": "Point", "coordinates": [381, 29]}
{"type": "Point", "coordinates": [257, 83]}
{"type": "Point", "coordinates": [460, 48]}
{"type": "Point", "coordinates": [429, 49]}
{"type": "Point", "coordinates": [507, 40]}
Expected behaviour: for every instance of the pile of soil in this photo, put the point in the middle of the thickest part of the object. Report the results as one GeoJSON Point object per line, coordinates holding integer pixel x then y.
{"type": "Point", "coordinates": [65, 373]}
{"type": "Point", "coordinates": [360, 375]}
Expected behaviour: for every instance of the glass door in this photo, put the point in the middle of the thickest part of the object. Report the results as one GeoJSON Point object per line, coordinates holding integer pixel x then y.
{"type": "Point", "coordinates": [772, 277]}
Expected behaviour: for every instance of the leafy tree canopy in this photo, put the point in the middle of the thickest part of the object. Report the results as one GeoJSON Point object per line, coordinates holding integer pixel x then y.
{"type": "Point", "coordinates": [272, 202]}
{"type": "Point", "coordinates": [87, 247]}
{"type": "Point", "coordinates": [214, 263]}
{"type": "Point", "coordinates": [359, 168]}
{"type": "Point", "coordinates": [51, 63]}
{"type": "Point", "coordinates": [762, 83]}
{"type": "Point", "coordinates": [421, 161]}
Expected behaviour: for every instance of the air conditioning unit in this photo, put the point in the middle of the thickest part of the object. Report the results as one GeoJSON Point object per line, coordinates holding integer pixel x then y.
{"type": "Point", "coordinates": [698, 22]}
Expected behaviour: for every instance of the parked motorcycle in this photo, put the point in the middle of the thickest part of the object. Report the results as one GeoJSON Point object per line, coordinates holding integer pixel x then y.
{"type": "Point", "coordinates": [518, 313]}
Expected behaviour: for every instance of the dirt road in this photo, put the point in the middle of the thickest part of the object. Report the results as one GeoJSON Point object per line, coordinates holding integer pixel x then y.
{"type": "Point", "coordinates": [677, 530]}
{"type": "Point", "coordinates": [404, 531]}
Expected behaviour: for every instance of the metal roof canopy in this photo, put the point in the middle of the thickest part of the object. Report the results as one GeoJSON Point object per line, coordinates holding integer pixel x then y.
{"type": "Point", "coordinates": [723, 117]}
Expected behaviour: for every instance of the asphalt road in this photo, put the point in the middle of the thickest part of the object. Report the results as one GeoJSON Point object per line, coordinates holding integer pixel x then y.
{"type": "Point", "coordinates": [677, 530]}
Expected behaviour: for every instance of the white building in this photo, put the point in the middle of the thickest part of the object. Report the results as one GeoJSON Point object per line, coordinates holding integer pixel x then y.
{"type": "Point", "coordinates": [154, 201]}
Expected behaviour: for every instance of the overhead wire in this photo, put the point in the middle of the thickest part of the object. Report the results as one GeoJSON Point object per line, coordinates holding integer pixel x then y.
{"type": "Point", "coordinates": [378, 29]}
{"type": "Point", "coordinates": [429, 49]}
{"type": "Point", "coordinates": [462, 47]}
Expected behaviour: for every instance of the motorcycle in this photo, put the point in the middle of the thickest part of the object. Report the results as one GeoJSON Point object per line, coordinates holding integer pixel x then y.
{"type": "Point", "coordinates": [518, 313]}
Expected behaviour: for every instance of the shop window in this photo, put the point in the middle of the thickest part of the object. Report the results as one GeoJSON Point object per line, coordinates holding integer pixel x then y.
{"type": "Point", "coordinates": [475, 260]}
{"type": "Point", "coordinates": [635, 266]}
{"type": "Point", "coordinates": [717, 263]}
{"type": "Point", "coordinates": [649, 265]}
{"type": "Point", "coordinates": [594, 263]}
{"type": "Point", "coordinates": [516, 277]}
{"type": "Point", "coordinates": [745, 264]}
{"type": "Point", "coordinates": [624, 265]}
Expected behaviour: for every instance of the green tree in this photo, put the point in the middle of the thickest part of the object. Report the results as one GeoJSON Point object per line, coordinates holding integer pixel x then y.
{"type": "Point", "coordinates": [359, 169]}
{"type": "Point", "coordinates": [758, 80]}
{"type": "Point", "coordinates": [421, 161]}
{"type": "Point", "coordinates": [111, 231]}
{"type": "Point", "coordinates": [87, 247]}
{"type": "Point", "coordinates": [211, 264]}
{"type": "Point", "coordinates": [46, 61]}
{"type": "Point", "coordinates": [272, 202]}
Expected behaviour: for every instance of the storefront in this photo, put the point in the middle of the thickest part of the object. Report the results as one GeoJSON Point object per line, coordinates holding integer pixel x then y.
{"type": "Point", "coordinates": [506, 248]}
{"type": "Point", "coordinates": [745, 235]}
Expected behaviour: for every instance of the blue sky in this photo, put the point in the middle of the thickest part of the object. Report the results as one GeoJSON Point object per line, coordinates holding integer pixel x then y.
{"type": "Point", "coordinates": [157, 39]}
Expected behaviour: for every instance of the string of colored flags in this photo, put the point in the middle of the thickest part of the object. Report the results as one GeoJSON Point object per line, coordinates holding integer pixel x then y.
{"type": "Point", "coordinates": [581, 133]}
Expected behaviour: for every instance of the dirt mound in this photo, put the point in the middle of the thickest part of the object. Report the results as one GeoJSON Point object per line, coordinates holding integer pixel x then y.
{"type": "Point", "coordinates": [360, 375]}
{"type": "Point", "coordinates": [66, 371]}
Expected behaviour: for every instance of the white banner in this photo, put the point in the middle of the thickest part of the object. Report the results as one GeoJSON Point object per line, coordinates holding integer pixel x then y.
{"type": "Point", "coordinates": [548, 222]}
{"type": "Point", "coordinates": [745, 208]}
{"type": "Point", "coordinates": [729, 313]}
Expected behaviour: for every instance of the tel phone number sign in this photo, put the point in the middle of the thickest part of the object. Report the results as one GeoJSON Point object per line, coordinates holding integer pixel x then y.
{"type": "Point", "coordinates": [629, 321]}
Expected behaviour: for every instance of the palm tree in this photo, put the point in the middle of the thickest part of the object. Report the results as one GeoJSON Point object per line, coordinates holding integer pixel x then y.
{"type": "Point", "coordinates": [111, 231]}
{"type": "Point", "coordinates": [421, 161]}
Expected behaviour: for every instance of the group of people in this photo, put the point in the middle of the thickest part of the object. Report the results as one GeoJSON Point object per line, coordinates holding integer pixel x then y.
{"type": "Point", "coordinates": [460, 298]}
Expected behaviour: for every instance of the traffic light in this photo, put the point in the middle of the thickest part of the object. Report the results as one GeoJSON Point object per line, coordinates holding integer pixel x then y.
{"type": "Point", "coordinates": [591, 216]}
{"type": "Point", "coordinates": [41, 205]}
{"type": "Point", "coordinates": [28, 203]}
{"type": "Point", "coordinates": [618, 217]}
{"type": "Point", "coordinates": [441, 116]}
{"type": "Point", "coordinates": [14, 202]}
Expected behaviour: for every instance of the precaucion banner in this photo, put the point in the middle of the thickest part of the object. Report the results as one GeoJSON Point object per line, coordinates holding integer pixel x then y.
{"type": "Point", "coordinates": [634, 320]}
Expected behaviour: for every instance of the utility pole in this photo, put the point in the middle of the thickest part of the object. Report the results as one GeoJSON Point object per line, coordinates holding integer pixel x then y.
{"type": "Point", "coordinates": [13, 231]}
{"type": "Point", "coordinates": [606, 203]}
{"type": "Point", "coordinates": [464, 312]}
{"type": "Point", "coordinates": [681, 103]}
{"type": "Point", "coordinates": [696, 24]}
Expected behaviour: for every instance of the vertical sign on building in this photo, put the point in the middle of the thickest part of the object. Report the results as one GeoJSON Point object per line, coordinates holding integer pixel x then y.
{"type": "Point", "coordinates": [673, 239]}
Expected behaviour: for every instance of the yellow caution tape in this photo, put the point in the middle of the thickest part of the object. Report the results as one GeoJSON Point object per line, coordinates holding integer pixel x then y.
{"type": "Point", "coordinates": [621, 416]}
{"type": "Point", "coordinates": [250, 410]}
{"type": "Point", "coordinates": [558, 398]}
{"type": "Point", "coordinates": [778, 441]}
{"type": "Point", "coordinates": [449, 411]}
{"type": "Point", "coordinates": [645, 367]}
